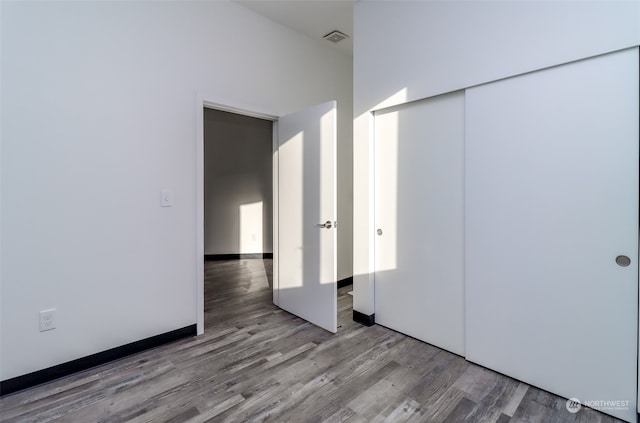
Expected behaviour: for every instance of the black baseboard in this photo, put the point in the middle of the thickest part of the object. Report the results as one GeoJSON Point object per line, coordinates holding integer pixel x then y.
{"type": "Point", "coordinates": [65, 369]}
{"type": "Point", "coordinates": [212, 257]}
{"type": "Point", "coordinates": [345, 282]}
{"type": "Point", "coordinates": [364, 319]}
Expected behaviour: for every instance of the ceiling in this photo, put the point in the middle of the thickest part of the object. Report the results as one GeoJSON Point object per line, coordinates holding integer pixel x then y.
{"type": "Point", "coordinates": [314, 18]}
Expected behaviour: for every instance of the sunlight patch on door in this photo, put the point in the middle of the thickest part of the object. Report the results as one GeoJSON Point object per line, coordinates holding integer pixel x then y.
{"type": "Point", "coordinates": [291, 210]}
{"type": "Point", "coordinates": [328, 209]}
{"type": "Point", "coordinates": [386, 181]}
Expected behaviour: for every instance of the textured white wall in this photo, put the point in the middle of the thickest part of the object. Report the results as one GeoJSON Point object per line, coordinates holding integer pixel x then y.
{"type": "Point", "coordinates": [98, 115]}
{"type": "Point", "coordinates": [407, 50]}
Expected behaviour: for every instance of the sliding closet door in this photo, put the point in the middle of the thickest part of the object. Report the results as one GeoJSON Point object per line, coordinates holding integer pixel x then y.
{"type": "Point", "coordinates": [419, 197]}
{"type": "Point", "coordinates": [552, 229]}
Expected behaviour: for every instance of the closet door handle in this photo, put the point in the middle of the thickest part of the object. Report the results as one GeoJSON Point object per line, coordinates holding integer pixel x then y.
{"type": "Point", "coordinates": [623, 261]}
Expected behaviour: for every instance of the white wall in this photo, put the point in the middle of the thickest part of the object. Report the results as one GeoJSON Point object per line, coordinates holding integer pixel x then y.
{"type": "Point", "coordinates": [99, 114]}
{"type": "Point", "coordinates": [430, 48]}
{"type": "Point", "coordinates": [237, 177]}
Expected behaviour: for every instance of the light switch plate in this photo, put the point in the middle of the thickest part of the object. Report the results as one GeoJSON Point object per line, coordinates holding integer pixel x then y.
{"type": "Point", "coordinates": [166, 199]}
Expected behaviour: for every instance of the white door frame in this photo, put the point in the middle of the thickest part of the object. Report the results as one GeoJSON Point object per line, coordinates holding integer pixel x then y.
{"type": "Point", "coordinates": [215, 102]}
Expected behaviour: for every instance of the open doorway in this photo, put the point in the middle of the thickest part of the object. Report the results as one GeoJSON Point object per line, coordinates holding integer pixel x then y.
{"type": "Point", "coordinates": [238, 194]}
{"type": "Point", "coordinates": [227, 122]}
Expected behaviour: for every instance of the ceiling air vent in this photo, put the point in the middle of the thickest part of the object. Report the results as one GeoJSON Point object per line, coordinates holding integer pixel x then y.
{"type": "Point", "coordinates": [335, 36]}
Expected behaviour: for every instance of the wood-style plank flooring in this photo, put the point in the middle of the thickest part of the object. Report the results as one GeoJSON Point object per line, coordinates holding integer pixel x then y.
{"type": "Point", "coordinates": [258, 363]}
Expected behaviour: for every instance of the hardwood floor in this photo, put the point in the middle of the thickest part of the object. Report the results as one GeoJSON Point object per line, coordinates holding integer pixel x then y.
{"type": "Point", "coordinates": [258, 363]}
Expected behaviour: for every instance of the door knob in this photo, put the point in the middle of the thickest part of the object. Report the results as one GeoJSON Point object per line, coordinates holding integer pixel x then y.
{"type": "Point", "coordinates": [326, 225]}
{"type": "Point", "coordinates": [379, 231]}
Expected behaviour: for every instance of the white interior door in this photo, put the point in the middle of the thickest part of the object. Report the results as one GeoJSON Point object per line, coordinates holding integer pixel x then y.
{"type": "Point", "coordinates": [419, 245]}
{"type": "Point", "coordinates": [307, 234]}
{"type": "Point", "coordinates": [552, 206]}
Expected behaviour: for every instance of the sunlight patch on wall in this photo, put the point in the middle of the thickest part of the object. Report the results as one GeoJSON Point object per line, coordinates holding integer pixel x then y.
{"type": "Point", "coordinates": [251, 228]}
{"type": "Point", "coordinates": [393, 100]}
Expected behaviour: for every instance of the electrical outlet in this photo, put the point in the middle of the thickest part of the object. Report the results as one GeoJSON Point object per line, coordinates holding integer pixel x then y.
{"type": "Point", "coordinates": [166, 198]}
{"type": "Point", "coordinates": [47, 319]}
